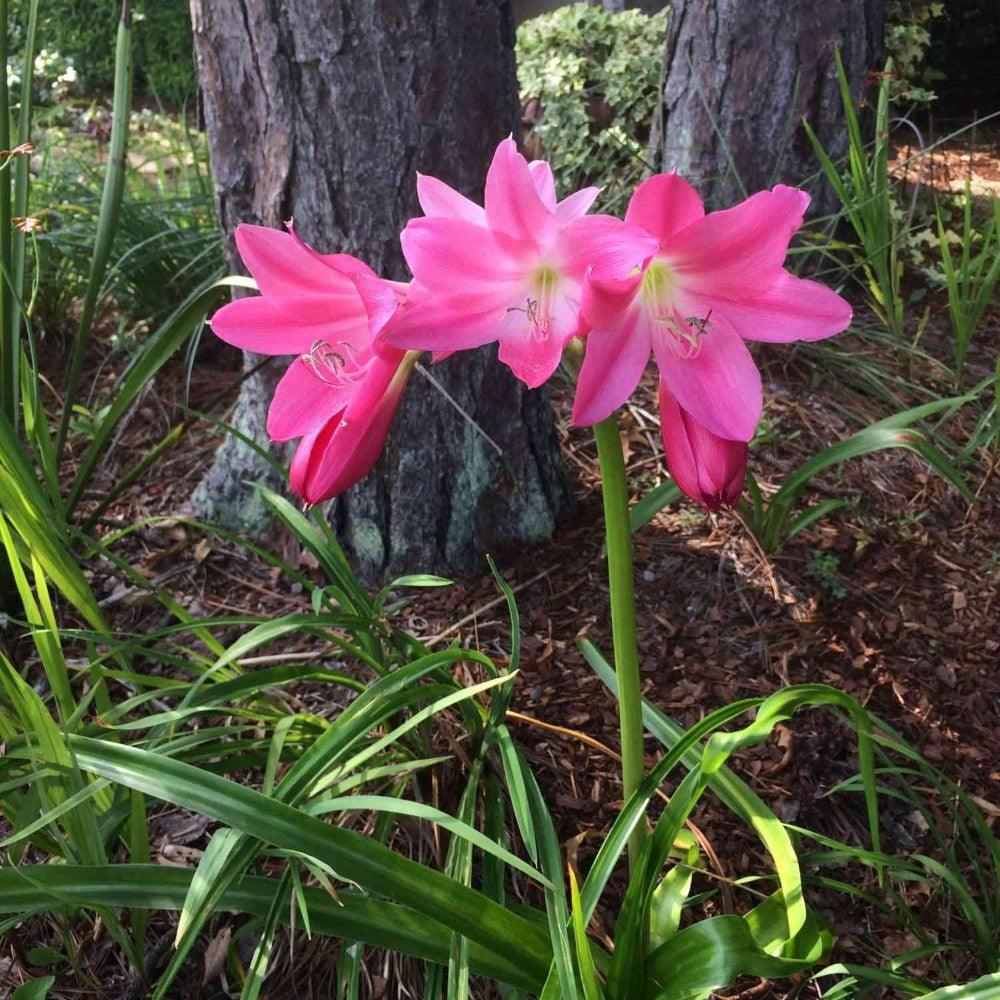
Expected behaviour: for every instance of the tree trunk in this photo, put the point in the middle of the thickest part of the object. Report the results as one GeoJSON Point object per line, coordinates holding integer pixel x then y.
{"type": "Point", "coordinates": [323, 110]}
{"type": "Point", "coordinates": [740, 77]}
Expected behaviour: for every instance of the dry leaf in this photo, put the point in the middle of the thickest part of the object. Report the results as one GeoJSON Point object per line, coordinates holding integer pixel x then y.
{"type": "Point", "coordinates": [215, 955]}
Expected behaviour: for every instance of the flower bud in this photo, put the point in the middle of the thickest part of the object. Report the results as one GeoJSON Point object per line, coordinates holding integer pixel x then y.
{"type": "Point", "coordinates": [708, 468]}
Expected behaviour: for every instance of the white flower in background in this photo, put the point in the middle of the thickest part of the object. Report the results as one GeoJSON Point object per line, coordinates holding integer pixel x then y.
{"type": "Point", "coordinates": [54, 75]}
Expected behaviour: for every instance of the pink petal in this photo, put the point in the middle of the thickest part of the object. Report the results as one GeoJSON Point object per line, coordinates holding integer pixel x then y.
{"type": "Point", "coordinates": [286, 270]}
{"type": "Point", "coordinates": [345, 263]}
{"type": "Point", "coordinates": [438, 200]}
{"type": "Point", "coordinates": [612, 366]}
{"type": "Point", "coordinates": [380, 300]}
{"type": "Point", "coordinates": [303, 402]}
{"type": "Point", "coordinates": [720, 386]}
{"type": "Point", "coordinates": [611, 247]}
{"type": "Point", "coordinates": [443, 324]}
{"type": "Point", "coordinates": [534, 332]}
{"type": "Point", "coordinates": [259, 324]}
{"type": "Point", "coordinates": [789, 309]}
{"type": "Point", "coordinates": [308, 454]}
{"type": "Point", "coordinates": [344, 450]}
{"type": "Point", "coordinates": [532, 360]}
{"type": "Point", "coordinates": [544, 181]}
{"type": "Point", "coordinates": [709, 469]}
{"type": "Point", "coordinates": [664, 205]}
{"type": "Point", "coordinates": [449, 254]}
{"type": "Point", "coordinates": [576, 204]}
{"type": "Point", "coordinates": [605, 301]}
{"type": "Point", "coordinates": [513, 205]}
{"type": "Point", "coordinates": [733, 252]}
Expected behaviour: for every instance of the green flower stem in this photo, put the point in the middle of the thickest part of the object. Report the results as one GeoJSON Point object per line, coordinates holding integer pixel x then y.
{"type": "Point", "coordinates": [619, 552]}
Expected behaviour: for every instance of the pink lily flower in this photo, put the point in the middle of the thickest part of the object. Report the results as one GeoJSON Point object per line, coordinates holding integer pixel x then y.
{"type": "Point", "coordinates": [341, 391]}
{"type": "Point", "coordinates": [714, 282]}
{"type": "Point", "coordinates": [709, 469]}
{"type": "Point", "coordinates": [511, 271]}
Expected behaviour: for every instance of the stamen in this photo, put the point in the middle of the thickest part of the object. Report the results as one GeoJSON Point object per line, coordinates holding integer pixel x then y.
{"type": "Point", "coordinates": [337, 366]}
{"type": "Point", "coordinates": [685, 336]}
{"type": "Point", "coordinates": [682, 336]}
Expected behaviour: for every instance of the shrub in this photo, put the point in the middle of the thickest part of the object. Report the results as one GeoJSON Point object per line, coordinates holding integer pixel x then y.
{"type": "Point", "coordinates": [84, 31]}
{"type": "Point", "coordinates": [597, 75]}
{"type": "Point", "coordinates": [907, 40]}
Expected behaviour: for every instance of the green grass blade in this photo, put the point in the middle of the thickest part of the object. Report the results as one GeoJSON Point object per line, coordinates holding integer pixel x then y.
{"type": "Point", "coordinates": [10, 346]}
{"type": "Point", "coordinates": [158, 349]}
{"type": "Point", "coordinates": [111, 199]}
{"type": "Point", "coordinates": [355, 917]}
{"type": "Point", "coordinates": [355, 857]}
{"type": "Point", "coordinates": [254, 981]}
{"type": "Point", "coordinates": [667, 493]}
{"type": "Point", "coordinates": [418, 810]}
{"type": "Point", "coordinates": [985, 988]}
{"type": "Point", "coordinates": [584, 958]}
{"type": "Point", "coordinates": [22, 175]}
{"type": "Point", "coordinates": [734, 793]}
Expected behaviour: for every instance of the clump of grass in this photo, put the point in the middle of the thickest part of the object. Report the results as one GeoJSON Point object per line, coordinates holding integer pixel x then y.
{"type": "Point", "coordinates": [167, 240]}
{"type": "Point", "coordinates": [971, 281]}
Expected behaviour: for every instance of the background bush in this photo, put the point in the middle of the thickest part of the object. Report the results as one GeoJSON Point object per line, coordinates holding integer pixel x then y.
{"type": "Point", "coordinates": [597, 75]}
{"type": "Point", "coordinates": [84, 31]}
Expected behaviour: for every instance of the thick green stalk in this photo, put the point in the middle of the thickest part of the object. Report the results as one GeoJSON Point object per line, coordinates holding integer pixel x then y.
{"type": "Point", "coordinates": [22, 167]}
{"type": "Point", "coordinates": [8, 334]}
{"type": "Point", "coordinates": [619, 550]}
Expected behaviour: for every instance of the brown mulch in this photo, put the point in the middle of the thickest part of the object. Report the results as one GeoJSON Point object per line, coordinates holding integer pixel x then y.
{"type": "Point", "coordinates": [923, 158]}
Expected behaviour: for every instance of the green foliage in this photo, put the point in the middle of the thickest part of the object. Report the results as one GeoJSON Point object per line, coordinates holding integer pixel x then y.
{"type": "Point", "coordinates": [960, 866]}
{"type": "Point", "coordinates": [772, 519]}
{"type": "Point", "coordinates": [868, 201]}
{"type": "Point", "coordinates": [779, 937]}
{"type": "Point", "coordinates": [964, 48]}
{"type": "Point", "coordinates": [34, 495]}
{"type": "Point", "coordinates": [159, 735]}
{"type": "Point", "coordinates": [971, 282]}
{"type": "Point", "coordinates": [83, 31]}
{"type": "Point", "coordinates": [34, 989]}
{"type": "Point", "coordinates": [166, 242]}
{"type": "Point", "coordinates": [907, 40]}
{"type": "Point", "coordinates": [166, 49]}
{"type": "Point", "coordinates": [824, 568]}
{"type": "Point", "coordinates": [597, 75]}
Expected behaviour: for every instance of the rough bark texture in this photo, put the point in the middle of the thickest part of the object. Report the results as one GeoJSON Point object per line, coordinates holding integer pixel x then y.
{"type": "Point", "coordinates": [739, 78]}
{"type": "Point", "coordinates": [323, 110]}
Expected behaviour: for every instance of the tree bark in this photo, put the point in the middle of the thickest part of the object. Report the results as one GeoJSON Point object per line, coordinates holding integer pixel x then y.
{"type": "Point", "coordinates": [324, 110]}
{"type": "Point", "coordinates": [740, 77]}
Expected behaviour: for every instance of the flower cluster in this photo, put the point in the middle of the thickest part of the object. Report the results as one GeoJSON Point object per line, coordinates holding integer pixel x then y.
{"type": "Point", "coordinates": [537, 275]}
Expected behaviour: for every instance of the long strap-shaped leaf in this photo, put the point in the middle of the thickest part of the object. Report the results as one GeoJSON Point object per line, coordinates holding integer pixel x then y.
{"type": "Point", "coordinates": [985, 988]}
{"type": "Point", "coordinates": [355, 917]}
{"type": "Point", "coordinates": [355, 857]}
{"type": "Point", "coordinates": [712, 953]}
{"type": "Point", "coordinates": [107, 220]}
{"type": "Point", "coordinates": [158, 350]}
{"type": "Point", "coordinates": [371, 708]}
{"type": "Point", "coordinates": [735, 794]}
